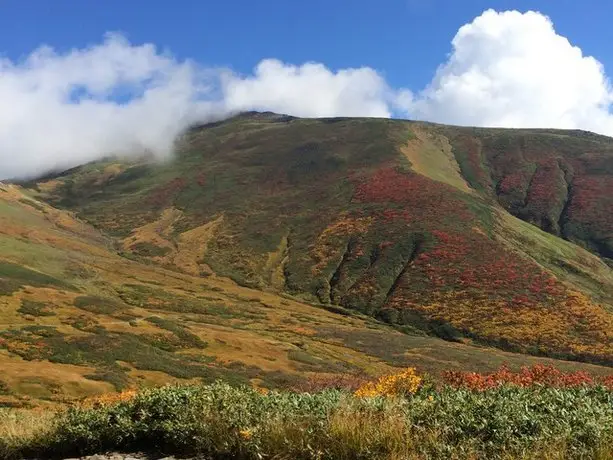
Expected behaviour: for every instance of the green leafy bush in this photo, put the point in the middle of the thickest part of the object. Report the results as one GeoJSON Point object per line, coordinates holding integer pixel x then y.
{"type": "Point", "coordinates": [99, 305]}
{"type": "Point", "coordinates": [29, 307]}
{"type": "Point", "coordinates": [220, 421]}
{"type": "Point", "coordinates": [187, 339]}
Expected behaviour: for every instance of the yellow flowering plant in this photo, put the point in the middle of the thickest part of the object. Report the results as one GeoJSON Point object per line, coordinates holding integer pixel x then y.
{"type": "Point", "coordinates": [404, 383]}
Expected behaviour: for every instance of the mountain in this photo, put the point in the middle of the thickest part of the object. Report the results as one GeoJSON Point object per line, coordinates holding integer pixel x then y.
{"type": "Point", "coordinates": [272, 248]}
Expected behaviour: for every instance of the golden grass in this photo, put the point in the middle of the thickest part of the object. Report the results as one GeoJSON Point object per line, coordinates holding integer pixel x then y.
{"type": "Point", "coordinates": [192, 246]}
{"type": "Point", "coordinates": [157, 232]}
{"type": "Point", "coordinates": [185, 251]}
{"type": "Point", "coordinates": [384, 432]}
{"type": "Point", "coordinates": [109, 172]}
{"type": "Point", "coordinates": [21, 427]}
{"type": "Point", "coordinates": [275, 265]}
{"type": "Point", "coordinates": [430, 154]}
{"type": "Point", "coordinates": [69, 378]}
{"type": "Point", "coordinates": [49, 186]}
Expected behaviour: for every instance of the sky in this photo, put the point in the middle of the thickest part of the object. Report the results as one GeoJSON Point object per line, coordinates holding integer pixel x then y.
{"type": "Point", "coordinates": [81, 79]}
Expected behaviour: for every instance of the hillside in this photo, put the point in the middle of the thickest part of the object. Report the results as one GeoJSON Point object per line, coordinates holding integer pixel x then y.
{"type": "Point", "coordinates": [79, 319]}
{"type": "Point", "coordinates": [403, 221]}
{"type": "Point", "coordinates": [274, 248]}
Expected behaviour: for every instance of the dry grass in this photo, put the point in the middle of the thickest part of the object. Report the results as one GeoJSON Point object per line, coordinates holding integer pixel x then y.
{"type": "Point", "coordinates": [157, 232]}
{"type": "Point", "coordinates": [275, 265]}
{"type": "Point", "coordinates": [192, 246]}
{"type": "Point", "coordinates": [21, 427]}
{"type": "Point", "coordinates": [431, 155]}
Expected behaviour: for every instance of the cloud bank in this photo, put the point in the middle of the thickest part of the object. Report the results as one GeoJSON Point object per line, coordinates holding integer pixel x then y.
{"type": "Point", "coordinates": [506, 69]}
{"type": "Point", "coordinates": [310, 90]}
{"type": "Point", "coordinates": [61, 110]}
{"type": "Point", "coordinates": [513, 70]}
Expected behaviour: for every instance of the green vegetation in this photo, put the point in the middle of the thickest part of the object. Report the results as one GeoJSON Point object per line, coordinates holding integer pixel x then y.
{"type": "Point", "coordinates": [29, 307]}
{"type": "Point", "coordinates": [99, 305]}
{"type": "Point", "coordinates": [219, 421]}
{"type": "Point", "coordinates": [102, 350]}
{"type": "Point", "coordinates": [32, 203]}
{"type": "Point", "coordinates": [4, 388]}
{"type": "Point", "coordinates": [149, 250]}
{"type": "Point", "coordinates": [14, 276]}
{"type": "Point", "coordinates": [187, 338]}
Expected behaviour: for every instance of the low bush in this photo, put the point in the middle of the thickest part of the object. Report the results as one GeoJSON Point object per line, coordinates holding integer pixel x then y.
{"type": "Point", "coordinates": [98, 305]}
{"type": "Point", "coordinates": [538, 374]}
{"type": "Point", "coordinates": [186, 338]}
{"type": "Point", "coordinates": [219, 421]}
{"type": "Point", "coordinates": [29, 307]}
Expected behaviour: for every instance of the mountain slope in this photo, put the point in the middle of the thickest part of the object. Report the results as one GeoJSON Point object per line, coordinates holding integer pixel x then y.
{"type": "Point", "coordinates": [77, 318]}
{"type": "Point", "coordinates": [409, 222]}
{"type": "Point", "coordinates": [560, 181]}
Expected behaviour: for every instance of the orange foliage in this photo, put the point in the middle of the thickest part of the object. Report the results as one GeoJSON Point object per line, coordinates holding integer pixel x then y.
{"type": "Point", "coordinates": [326, 248]}
{"type": "Point", "coordinates": [572, 326]}
{"type": "Point", "coordinates": [538, 374]}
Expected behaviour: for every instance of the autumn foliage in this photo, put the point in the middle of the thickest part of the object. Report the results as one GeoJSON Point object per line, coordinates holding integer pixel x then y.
{"type": "Point", "coordinates": [538, 374]}
{"type": "Point", "coordinates": [403, 383]}
{"type": "Point", "coordinates": [458, 272]}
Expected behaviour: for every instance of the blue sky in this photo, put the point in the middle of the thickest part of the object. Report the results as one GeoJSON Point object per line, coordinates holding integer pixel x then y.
{"type": "Point", "coordinates": [404, 39]}
{"type": "Point", "coordinates": [82, 79]}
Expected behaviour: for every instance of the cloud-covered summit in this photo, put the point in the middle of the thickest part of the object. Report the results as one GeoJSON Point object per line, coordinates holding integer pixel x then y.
{"type": "Point", "coordinates": [506, 69]}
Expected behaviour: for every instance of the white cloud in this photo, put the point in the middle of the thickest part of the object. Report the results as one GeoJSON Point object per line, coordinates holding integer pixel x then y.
{"type": "Point", "coordinates": [310, 90]}
{"type": "Point", "coordinates": [513, 70]}
{"type": "Point", "coordinates": [506, 69]}
{"type": "Point", "coordinates": [60, 110]}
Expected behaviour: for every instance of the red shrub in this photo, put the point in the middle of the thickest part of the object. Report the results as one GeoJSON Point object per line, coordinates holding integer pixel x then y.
{"type": "Point", "coordinates": [538, 374]}
{"type": "Point", "coordinates": [163, 194]}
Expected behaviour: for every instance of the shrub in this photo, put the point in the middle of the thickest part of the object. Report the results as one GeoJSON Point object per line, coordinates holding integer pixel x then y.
{"type": "Point", "coordinates": [186, 338]}
{"type": "Point", "coordinates": [147, 249]}
{"type": "Point", "coordinates": [538, 374]}
{"type": "Point", "coordinates": [402, 384]}
{"type": "Point", "coordinates": [29, 307]}
{"type": "Point", "coordinates": [98, 305]}
{"type": "Point", "coordinates": [219, 421]}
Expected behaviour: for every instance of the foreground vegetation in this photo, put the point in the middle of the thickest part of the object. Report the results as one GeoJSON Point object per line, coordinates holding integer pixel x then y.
{"type": "Point", "coordinates": [536, 413]}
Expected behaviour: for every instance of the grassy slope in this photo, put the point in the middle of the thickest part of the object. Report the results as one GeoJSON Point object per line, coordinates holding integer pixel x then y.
{"type": "Point", "coordinates": [560, 181]}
